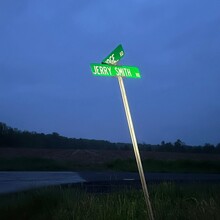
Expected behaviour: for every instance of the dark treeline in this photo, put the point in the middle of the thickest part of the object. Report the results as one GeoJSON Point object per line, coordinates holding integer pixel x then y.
{"type": "Point", "coordinates": [12, 137]}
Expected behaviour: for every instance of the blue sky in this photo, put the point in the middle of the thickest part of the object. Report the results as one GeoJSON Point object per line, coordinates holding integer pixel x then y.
{"type": "Point", "coordinates": [46, 84]}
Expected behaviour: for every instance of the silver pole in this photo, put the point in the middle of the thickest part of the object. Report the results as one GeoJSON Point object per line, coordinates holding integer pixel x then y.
{"type": "Point", "coordinates": [135, 146]}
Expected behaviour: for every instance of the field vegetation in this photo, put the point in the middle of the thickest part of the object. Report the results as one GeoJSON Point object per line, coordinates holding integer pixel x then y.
{"type": "Point", "coordinates": [31, 151]}
{"type": "Point", "coordinates": [149, 165]}
{"type": "Point", "coordinates": [169, 202]}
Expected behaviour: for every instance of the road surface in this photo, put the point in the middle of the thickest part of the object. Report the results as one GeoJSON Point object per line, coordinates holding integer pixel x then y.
{"type": "Point", "coordinates": [13, 181]}
{"type": "Point", "coordinates": [16, 181]}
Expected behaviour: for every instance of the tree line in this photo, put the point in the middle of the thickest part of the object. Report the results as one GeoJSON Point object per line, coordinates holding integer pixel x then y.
{"type": "Point", "coordinates": [12, 137]}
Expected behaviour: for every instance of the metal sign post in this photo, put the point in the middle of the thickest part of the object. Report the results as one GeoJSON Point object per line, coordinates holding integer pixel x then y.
{"type": "Point", "coordinates": [135, 146]}
{"type": "Point", "coordinates": [109, 68]}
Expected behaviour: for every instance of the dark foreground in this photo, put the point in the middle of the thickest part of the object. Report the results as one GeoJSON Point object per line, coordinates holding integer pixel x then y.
{"type": "Point", "coordinates": [169, 201]}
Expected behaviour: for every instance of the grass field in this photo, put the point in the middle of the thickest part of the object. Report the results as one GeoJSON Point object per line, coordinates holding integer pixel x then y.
{"type": "Point", "coordinates": [150, 165]}
{"type": "Point", "coordinates": [169, 202]}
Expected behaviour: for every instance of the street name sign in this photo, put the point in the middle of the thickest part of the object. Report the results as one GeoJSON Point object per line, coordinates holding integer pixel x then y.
{"type": "Point", "coordinates": [109, 67]}
{"type": "Point", "coordinates": [108, 70]}
{"type": "Point", "coordinates": [114, 56]}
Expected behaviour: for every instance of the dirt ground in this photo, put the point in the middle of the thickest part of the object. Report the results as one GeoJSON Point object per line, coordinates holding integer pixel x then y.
{"type": "Point", "coordinates": [99, 156]}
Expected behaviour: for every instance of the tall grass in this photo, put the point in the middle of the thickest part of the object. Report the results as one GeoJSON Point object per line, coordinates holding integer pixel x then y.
{"type": "Point", "coordinates": [187, 201]}
{"type": "Point", "coordinates": [169, 202]}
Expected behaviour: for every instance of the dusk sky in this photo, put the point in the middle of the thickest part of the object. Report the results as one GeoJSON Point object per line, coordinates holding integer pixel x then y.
{"type": "Point", "coordinates": [46, 85]}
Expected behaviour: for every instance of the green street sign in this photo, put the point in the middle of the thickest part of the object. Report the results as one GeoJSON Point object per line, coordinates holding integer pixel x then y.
{"type": "Point", "coordinates": [107, 70]}
{"type": "Point", "coordinates": [114, 56]}
{"type": "Point", "coordinates": [110, 68]}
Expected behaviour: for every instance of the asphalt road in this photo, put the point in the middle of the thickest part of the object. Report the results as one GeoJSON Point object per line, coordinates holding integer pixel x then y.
{"type": "Point", "coordinates": [17, 181]}
{"type": "Point", "coordinates": [22, 180]}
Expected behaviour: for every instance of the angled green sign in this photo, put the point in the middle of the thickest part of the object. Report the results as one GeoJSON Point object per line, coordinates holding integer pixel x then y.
{"type": "Point", "coordinates": [114, 56]}
{"type": "Point", "coordinates": [109, 70]}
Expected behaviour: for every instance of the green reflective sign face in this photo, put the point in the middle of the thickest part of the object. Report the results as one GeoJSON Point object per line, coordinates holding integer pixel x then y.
{"type": "Point", "coordinates": [123, 71]}
{"type": "Point", "coordinates": [114, 56]}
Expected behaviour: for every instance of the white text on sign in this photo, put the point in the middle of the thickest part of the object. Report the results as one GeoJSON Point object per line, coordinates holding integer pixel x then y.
{"type": "Point", "coordinates": [109, 71]}
{"type": "Point", "coordinates": [111, 60]}
{"type": "Point", "coordinates": [102, 70]}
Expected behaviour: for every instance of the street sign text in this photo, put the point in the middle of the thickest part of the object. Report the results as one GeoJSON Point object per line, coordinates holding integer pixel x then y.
{"type": "Point", "coordinates": [114, 56]}
{"type": "Point", "coordinates": [123, 71]}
